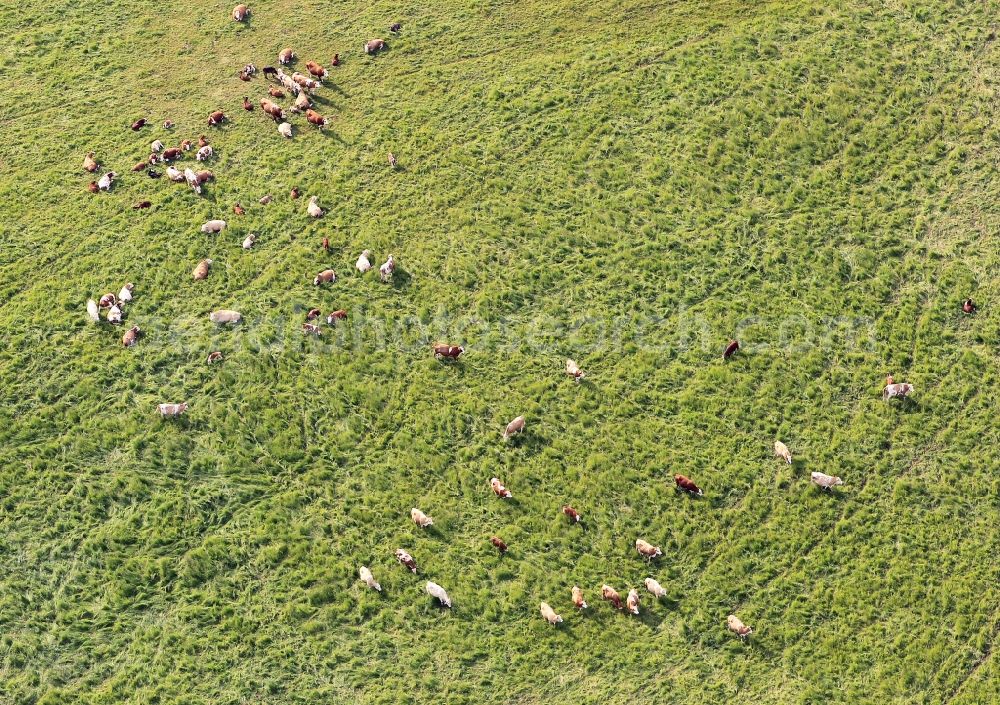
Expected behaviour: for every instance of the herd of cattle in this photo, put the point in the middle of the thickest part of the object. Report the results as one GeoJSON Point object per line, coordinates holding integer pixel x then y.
{"type": "Point", "coordinates": [301, 88]}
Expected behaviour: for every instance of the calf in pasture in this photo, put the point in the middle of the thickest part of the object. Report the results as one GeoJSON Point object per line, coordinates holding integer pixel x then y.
{"type": "Point", "coordinates": [285, 56]}
{"type": "Point", "coordinates": [216, 118]}
{"type": "Point", "coordinates": [387, 269]}
{"type": "Point", "coordinates": [313, 208]}
{"type": "Point", "coordinates": [549, 614]}
{"type": "Point", "coordinates": [249, 241]}
{"type": "Point", "coordinates": [205, 152]}
{"type": "Point", "coordinates": [368, 579]}
{"type": "Point", "coordinates": [316, 119]}
{"type": "Point", "coordinates": [574, 371]}
{"type": "Point", "coordinates": [316, 70]}
{"type": "Point", "coordinates": [899, 390]}
{"type": "Point", "coordinates": [213, 226]}
{"type": "Point", "coordinates": [285, 130]}
{"type": "Point", "coordinates": [647, 550]}
{"type": "Point", "coordinates": [213, 357]}
{"type": "Point", "coordinates": [499, 490]}
{"type": "Point", "coordinates": [574, 516]}
{"type": "Point", "coordinates": [115, 314]}
{"type": "Point", "coordinates": [513, 428]}
{"type": "Point", "coordinates": [89, 163]}
{"type": "Point", "coordinates": [730, 349]}
{"type": "Point", "coordinates": [451, 352]}
{"type": "Point", "coordinates": [311, 329]}
{"type": "Point", "coordinates": [201, 271]}
{"type": "Point", "coordinates": [171, 410]}
{"type": "Point", "coordinates": [736, 625]}
{"type": "Point", "coordinates": [364, 264]}
{"type": "Point", "coordinates": [247, 105]}
{"type": "Point", "coordinates": [104, 183]}
{"type": "Point", "coordinates": [632, 601]}
{"type": "Point", "coordinates": [338, 315]}
{"type": "Point", "coordinates": [500, 545]}
{"type": "Point", "coordinates": [373, 46]}
{"type": "Point", "coordinates": [327, 276]}
{"type": "Point", "coordinates": [131, 336]}
{"type": "Point", "coordinates": [655, 588]}
{"type": "Point", "coordinates": [420, 519]}
{"type": "Point", "coordinates": [578, 600]}
{"type": "Point", "coordinates": [240, 12]}
{"type": "Point", "coordinates": [225, 316]}
{"type": "Point", "coordinates": [126, 293]}
{"type": "Point", "coordinates": [824, 481]}
{"type": "Point", "coordinates": [438, 593]}
{"type": "Point", "coordinates": [407, 560]}
{"type": "Point", "coordinates": [781, 450]}
{"type": "Point", "coordinates": [172, 154]}
{"type": "Point", "coordinates": [611, 595]}
{"type": "Point", "coordinates": [687, 484]}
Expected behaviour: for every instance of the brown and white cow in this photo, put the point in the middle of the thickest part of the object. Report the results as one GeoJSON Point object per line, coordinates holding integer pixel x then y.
{"type": "Point", "coordinates": [327, 276]}
{"type": "Point", "coordinates": [654, 587]}
{"type": "Point", "coordinates": [407, 560]}
{"type": "Point", "coordinates": [578, 600]}
{"type": "Point", "coordinates": [899, 390]}
{"type": "Point", "coordinates": [647, 550]}
{"type": "Point", "coordinates": [824, 481]}
{"type": "Point", "coordinates": [316, 119]}
{"type": "Point", "coordinates": [781, 450]}
{"type": "Point", "coordinates": [373, 46]}
{"type": "Point", "coordinates": [499, 543]}
{"type": "Point", "coordinates": [574, 371]}
{"type": "Point", "coordinates": [316, 70]}
{"type": "Point", "coordinates": [338, 315]}
{"type": "Point", "coordinates": [131, 336]}
{"type": "Point", "coordinates": [201, 271]}
{"type": "Point", "coordinates": [171, 410]}
{"type": "Point", "coordinates": [737, 626]}
{"type": "Point", "coordinates": [387, 269]}
{"type": "Point", "coordinates": [513, 428]}
{"type": "Point", "coordinates": [286, 56]}
{"type": "Point", "coordinates": [632, 601]}
{"type": "Point", "coordinates": [574, 516]}
{"type": "Point", "coordinates": [369, 579]}
{"type": "Point", "coordinates": [443, 350]}
{"type": "Point", "coordinates": [611, 595]}
{"type": "Point", "coordinates": [550, 614]}
{"type": "Point", "coordinates": [420, 519]}
{"type": "Point", "coordinates": [687, 484]}
{"type": "Point", "coordinates": [240, 12]}
{"type": "Point", "coordinates": [499, 490]}
{"type": "Point", "coordinates": [216, 118]}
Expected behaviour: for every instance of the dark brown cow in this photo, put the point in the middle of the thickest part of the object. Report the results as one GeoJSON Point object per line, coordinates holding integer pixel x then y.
{"type": "Point", "coordinates": [139, 124]}
{"type": "Point", "coordinates": [172, 154]}
{"type": "Point", "coordinates": [216, 118]}
{"type": "Point", "coordinates": [730, 349]}
{"type": "Point", "coordinates": [498, 542]}
{"type": "Point", "coordinates": [574, 516]}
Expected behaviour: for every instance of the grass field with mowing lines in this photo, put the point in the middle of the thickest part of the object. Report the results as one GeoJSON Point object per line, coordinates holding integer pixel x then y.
{"type": "Point", "coordinates": [628, 184]}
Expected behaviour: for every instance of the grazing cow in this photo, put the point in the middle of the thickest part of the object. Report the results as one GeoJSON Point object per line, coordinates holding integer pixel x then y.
{"type": "Point", "coordinates": [205, 152]}
{"type": "Point", "coordinates": [104, 183]}
{"type": "Point", "coordinates": [244, 76]}
{"type": "Point", "coordinates": [327, 276]}
{"type": "Point", "coordinates": [294, 193]}
{"type": "Point", "coordinates": [387, 269]}
{"type": "Point", "coordinates": [392, 160]}
{"type": "Point", "coordinates": [325, 244]}
{"type": "Point", "coordinates": [247, 105]}
{"type": "Point", "coordinates": [192, 180]}
{"type": "Point", "coordinates": [316, 70]}
{"type": "Point", "coordinates": [824, 481]}
{"type": "Point", "coordinates": [443, 350]}
{"type": "Point", "coordinates": [368, 579]}
{"type": "Point", "coordinates": [737, 626]}
{"type": "Point", "coordinates": [574, 516]}
{"type": "Point", "coordinates": [201, 271]}
{"type": "Point", "coordinates": [316, 119]}
{"type": "Point", "coordinates": [611, 595]}
{"type": "Point", "coordinates": [141, 205]}
{"type": "Point", "coordinates": [175, 174]}
{"type": "Point", "coordinates": [364, 264]}
{"type": "Point", "coordinates": [498, 542]}
{"type": "Point", "coordinates": [157, 146]}
{"type": "Point", "coordinates": [153, 158]}
{"type": "Point", "coordinates": [272, 109]}
{"type": "Point", "coordinates": [126, 293]}
{"type": "Point", "coordinates": [499, 490]}
{"type": "Point", "coordinates": [285, 130]}
{"type": "Point", "coordinates": [93, 310]}
{"type": "Point", "coordinates": [131, 336]}
{"type": "Point", "coordinates": [781, 450]}
{"type": "Point", "coordinates": [139, 166]}
{"type": "Point", "coordinates": [655, 588]}
{"type": "Point", "coordinates": [89, 163]}
{"type": "Point", "coordinates": [153, 174]}
{"type": "Point", "coordinates": [335, 61]}
{"type": "Point", "coordinates": [550, 614]}
{"type": "Point", "coordinates": [373, 46]}
{"type": "Point", "coordinates": [313, 208]}
{"type": "Point", "coordinates": [647, 550]}
{"type": "Point", "coordinates": [270, 71]}
{"type": "Point", "coordinates": [216, 118]}
{"type": "Point", "coordinates": [395, 27]}
{"type": "Point", "coordinates": [513, 428]}
{"type": "Point", "coordinates": [578, 600]}
{"type": "Point", "coordinates": [420, 519]}
{"type": "Point", "coordinates": [311, 329]}
{"type": "Point", "coordinates": [168, 124]}
{"type": "Point", "coordinates": [249, 70]}
{"type": "Point", "coordinates": [730, 349]}
{"type": "Point", "coordinates": [172, 154]}
{"type": "Point", "coordinates": [171, 410]}
{"type": "Point", "coordinates": [285, 80]}
{"type": "Point", "coordinates": [238, 209]}
{"type": "Point", "coordinates": [305, 82]}
{"type": "Point", "coordinates": [249, 241]}
{"type": "Point", "coordinates": [115, 314]}
{"type": "Point", "coordinates": [285, 56]}
{"type": "Point", "coordinates": [214, 357]}
{"type": "Point", "coordinates": [574, 371]}
{"type": "Point", "coordinates": [204, 176]}
{"type": "Point", "coordinates": [301, 103]}
{"type": "Point", "coordinates": [407, 560]}
{"type": "Point", "coordinates": [225, 316]}
{"type": "Point", "coordinates": [240, 12]}
{"type": "Point", "coordinates": [264, 200]}
{"type": "Point", "coordinates": [632, 601]}
{"type": "Point", "coordinates": [438, 593]}
{"type": "Point", "coordinates": [107, 301]}
{"type": "Point", "coordinates": [138, 124]}
{"type": "Point", "coordinates": [338, 315]}
{"type": "Point", "coordinates": [313, 313]}
{"type": "Point", "coordinates": [92, 187]}
{"type": "Point", "coordinates": [186, 145]}
{"type": "Point", "coordinates": [275, 92]}
{"type": "Point", "coordinates": [202, 140]}
{"type": "Point", "coordinates": [968, 306]}
{"type": "Point", "coordinates": [899, 390]}
{"type": "Point", "coordinates": [214, 226]}
{"type": "Point", "coordinates": [687, 484]}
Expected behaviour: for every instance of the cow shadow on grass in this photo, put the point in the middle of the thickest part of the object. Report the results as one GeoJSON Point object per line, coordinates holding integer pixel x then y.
{"type": "Point", "coordinates": [400, 278]}
{"type": "Point", "coordinates": [333, 135]}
